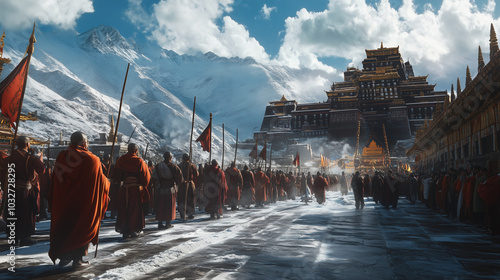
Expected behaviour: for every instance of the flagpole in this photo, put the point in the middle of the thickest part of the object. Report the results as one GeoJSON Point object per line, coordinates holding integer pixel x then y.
{"type": "Point", "coordinates": [189, 162]}
{"type": "Point", "coordinates": [265, 160]}
{"type": "Point", "coordinates": [210, 156]}
{"type": "Point", "coordinates": [236, 148]}
{"type": "Point", "coordinates": [29, 51]}
{"type": "Point", "coordinates": [112, 149]}
{"type": "Point", "coordinates": [118, 121]}
{"type": "Point", "coordinates": [48, 154]}
{"type": "Point", "coordinates": [145, 151]}
{"type": "Point", "coordinates": [130, 138]}
{"type": "Point", "coordinates": [223, 148]}
{"type": "Point", "coordinates": [271, 156]}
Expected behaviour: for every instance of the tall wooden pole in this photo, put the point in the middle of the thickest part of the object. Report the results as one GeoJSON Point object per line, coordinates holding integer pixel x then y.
{"type": "Point", "coordinates": [146, 151]}
{"type": "Point", "coordinates": [192, 128]}
{"type": "Point", "coordinates": [236, 148]}
{"type": "Point", "coordinates": [112, 148]}
{"type": "Point", "coordinates": [210, 156]}
{"type": "Point", "coordinates": [29, 51]}
{"type": "Point", "coordinates": [188, 177]}
{"type": "Point", "coordinates": [265, 161]}
{"type": "Point", "coordinates": [223, 148]}
{"type": "Point", "coordinates": [130, 138]}
{"type": "Point", "coordinates": [117, 122]}
{"type": "Point", "coordinates": [271, 156]}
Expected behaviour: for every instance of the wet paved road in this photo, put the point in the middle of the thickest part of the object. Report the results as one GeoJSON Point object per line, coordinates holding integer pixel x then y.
{"type": "Point", "coordinates": [290, 241]}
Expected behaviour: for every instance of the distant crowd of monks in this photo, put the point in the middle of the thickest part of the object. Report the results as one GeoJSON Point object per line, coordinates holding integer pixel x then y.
{"type": "Point", "coordinates": [80, 187]}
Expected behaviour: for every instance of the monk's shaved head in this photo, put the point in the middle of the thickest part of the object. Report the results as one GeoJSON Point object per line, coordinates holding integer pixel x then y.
{"type": "Point", "coordinates": [78, 138]}
{"type": "Point", "coordinates": [22, 142]}
{"type": "Point", "coordinates": [132, 148]}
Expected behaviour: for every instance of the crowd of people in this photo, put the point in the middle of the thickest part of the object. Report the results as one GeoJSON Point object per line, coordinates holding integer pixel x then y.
{"type": "Point", "coordinates": [81, 188]}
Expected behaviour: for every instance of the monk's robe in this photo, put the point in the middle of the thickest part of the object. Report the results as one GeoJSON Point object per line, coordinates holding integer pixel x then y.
{"type": "Point", "coordinates": [134, 173]}
{"type": "Point", "coordinates": [215, 189]}
{"type": "Point", "coordinates": [169, 178]}
{"type": "Point", "coordinates": [319, 186]}
{"type": "Point", "coordinates": [261, 183]}
{"type": "Point", "coordinates": [78, 198]}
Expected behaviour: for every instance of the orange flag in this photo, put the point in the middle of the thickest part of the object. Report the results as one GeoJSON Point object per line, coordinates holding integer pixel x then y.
{"type": "Point", "coordinates": [205, 138]}
{"type": "Point", "coordinates": [12, 90]}
{"type": "Point", "coordinates": [253, 153]}
{"type": "Point", "coordinates": [263, 153]}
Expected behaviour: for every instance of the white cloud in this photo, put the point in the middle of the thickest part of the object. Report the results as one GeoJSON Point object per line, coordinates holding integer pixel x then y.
{"type": "Point", "coordinates": [438, 41]}
{"type": "Point", "coordinates": [20, 14]}
{"type": "Point", "coordinates": [190, 26]}
{"type": "Point", "coordinates": [266, 11]}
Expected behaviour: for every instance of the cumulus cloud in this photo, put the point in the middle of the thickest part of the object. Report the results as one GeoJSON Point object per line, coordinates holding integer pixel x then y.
{"type": "Point", "coordinates": [266, 11]}
{"type": "Point", "coordinates": [190, 26]}
{"type": "Point", "coordinates": [20, 14]}
{"type": "Point", "coordinates": [438, 40]}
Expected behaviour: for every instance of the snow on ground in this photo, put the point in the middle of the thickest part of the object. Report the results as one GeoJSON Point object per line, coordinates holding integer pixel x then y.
{"type": "Point", "coordinates": [286, 240]}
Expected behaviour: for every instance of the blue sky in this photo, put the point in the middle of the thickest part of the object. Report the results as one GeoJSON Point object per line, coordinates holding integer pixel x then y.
{"type": "Point", "coordinates": [440, 38]}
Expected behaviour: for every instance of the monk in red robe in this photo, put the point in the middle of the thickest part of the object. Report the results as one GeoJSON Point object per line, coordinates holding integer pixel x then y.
{"type": "Point", "coordinates": [261, 183]}
{"type": "Point", "coordinates": [319, 186]}
{"type": "Point", "coordinates": [134, 173]}
{"type": "Point", "coordinates": [248, 189]}
{"type": "Point", "coordinates": [234, 184]}
{"type": "Point", "coordinates": [169, 178]}
{"type": "Point", "coordinates": [25, 169]}
{"type": "Point", "coordinates": [186, 197]}
{"type": "Point", "coordinates": [215, 190]}
{"type": "Point", "coordinates": [78, 198]}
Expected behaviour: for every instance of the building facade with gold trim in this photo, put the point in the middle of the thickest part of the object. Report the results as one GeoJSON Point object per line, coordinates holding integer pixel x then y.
{"type": "Point", "coordinates": [385, 92]}
{"type": "Point", "coordinates": [466, 131]}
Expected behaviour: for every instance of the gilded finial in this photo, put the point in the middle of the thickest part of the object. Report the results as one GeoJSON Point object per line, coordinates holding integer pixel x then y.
{"type": "Point", "coordinates": [381, 45]}
{"type": "Point", "coordinates": [468, 78]}
{"type": "Point", "coordinates": [31, 46]}
{"type": "Point", "coordinates": [493, 42]}
{"type": "Point", "coordinates": [480, 60]}
{"type": "Point", "coordinates": [2, 44]}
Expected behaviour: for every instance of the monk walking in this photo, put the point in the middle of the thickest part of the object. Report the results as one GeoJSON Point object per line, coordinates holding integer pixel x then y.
{"type": "Point", "coordinates": [234, 183]}
{"type": "Point", "coordinates": [169, 178]}
{"type": "Point", "coordinates": [134, 173]}
{"type": "Point", "coordinates": [187, 188]}
{"type": "Point", "coordinates": [261, 183]}
{"type": "Point", "coordinates": [78, 199]}
{"type": "Point", "coordinates": [26, 167]}
{"type": "Point", "coordinates": [215, 190]}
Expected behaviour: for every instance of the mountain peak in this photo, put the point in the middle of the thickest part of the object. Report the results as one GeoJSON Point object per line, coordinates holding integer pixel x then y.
{"type": "Point", "coordinates": [104, 39]}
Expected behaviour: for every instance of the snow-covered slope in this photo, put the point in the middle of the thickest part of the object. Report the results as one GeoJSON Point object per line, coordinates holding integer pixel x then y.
{"type": "Point", "coordinates": [75, 83]}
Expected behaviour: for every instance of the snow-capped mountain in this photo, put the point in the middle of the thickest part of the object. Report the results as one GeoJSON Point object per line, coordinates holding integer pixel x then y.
{"type": "Point", "coordinates": [75, 83]}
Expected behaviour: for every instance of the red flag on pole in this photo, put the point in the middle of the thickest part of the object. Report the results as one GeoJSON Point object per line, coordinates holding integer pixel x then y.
{"type": "Point", "coordinates": [205, 138]}
{"type": "Point", "coordinates": [296, 161]}
{"type": "Point", "coordinates": [253, 153]}
{"type": "Point", "coordinates": [11, 91]}
{"type": "Point", "coordinates": [263, 153]}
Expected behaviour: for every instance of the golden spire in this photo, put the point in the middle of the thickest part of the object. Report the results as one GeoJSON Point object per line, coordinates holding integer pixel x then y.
{"type": "Point", "coordinates": [493, 42]}
{"type": "Point", "coordinates": [459, 88]}
{"type": "Point", "coordinates": [468, 78]}
{"type": "Point", "coordinates": [480, 60]}
{"type": "Point", "coordinates": [31, 46]}
{"type": "Point", "coordinates": [381, 45]}
{"type": "Point", "coordinates": [452, 93]}
{"type": "Point", "coordinates": [2, 44]}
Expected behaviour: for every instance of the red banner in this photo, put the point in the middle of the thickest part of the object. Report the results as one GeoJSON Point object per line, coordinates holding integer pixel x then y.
{"type": "Point", "coordinates": [205, 138]}
{"type": "Point", "coordinates": [11, 91]}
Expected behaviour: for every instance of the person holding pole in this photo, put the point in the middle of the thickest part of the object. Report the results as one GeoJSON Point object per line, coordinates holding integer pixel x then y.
{"type": "Point", "coordinates": [186, 197]}
{"type": "Point", "coordinates": [168, 177]}
{"type": "Point", "coordinates": [78, 198]}
{"type": "Point", "coordinates": [134, 173]}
